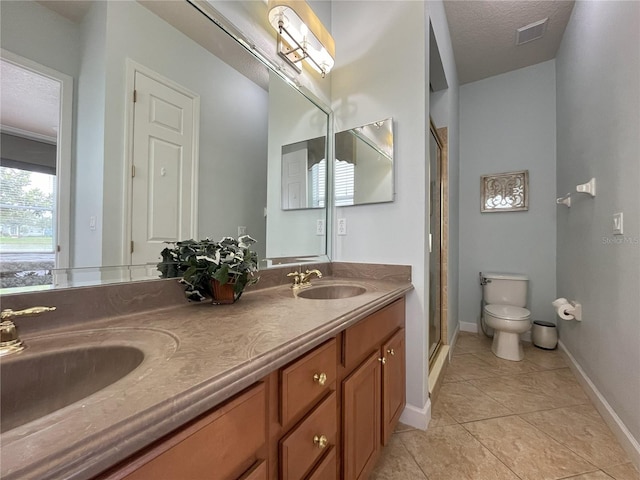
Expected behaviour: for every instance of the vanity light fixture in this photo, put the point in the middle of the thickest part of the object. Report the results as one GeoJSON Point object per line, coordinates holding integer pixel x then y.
{"type": "Point", "coordinates": [301, 35]}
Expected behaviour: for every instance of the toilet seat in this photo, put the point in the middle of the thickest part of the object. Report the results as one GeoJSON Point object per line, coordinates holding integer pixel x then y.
{"type": "Point", "coordinates": [508, 312]}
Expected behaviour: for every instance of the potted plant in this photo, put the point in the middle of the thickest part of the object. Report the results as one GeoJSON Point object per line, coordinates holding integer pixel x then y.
{"type": "Point", "coordinates": [218, 270]}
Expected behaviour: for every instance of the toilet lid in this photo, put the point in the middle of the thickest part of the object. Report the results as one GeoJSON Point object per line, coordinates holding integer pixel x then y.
{"type": "Point", "coordinates": [508, 311]}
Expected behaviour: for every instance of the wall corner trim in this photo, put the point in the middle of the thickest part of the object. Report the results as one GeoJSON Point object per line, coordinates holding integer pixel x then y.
{"type": "Point", "coordinates": [417, 417]}
{"type": "Point", "coordinates": [613, 421]}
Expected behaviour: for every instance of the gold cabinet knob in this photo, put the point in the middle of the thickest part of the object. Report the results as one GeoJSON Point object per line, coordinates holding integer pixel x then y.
{"type": "Point", "coordinates": [320, 441]}
{"type": "Point", "coordinates": [391, 351]}
{"type": "Point", "coordinates": [320, 378]}
{"type": "Point", "coordinates": [382, 360]}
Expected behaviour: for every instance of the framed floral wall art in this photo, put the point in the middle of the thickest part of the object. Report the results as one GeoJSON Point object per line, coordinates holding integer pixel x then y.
{"type": "Point", "coordinates": [504, 192]}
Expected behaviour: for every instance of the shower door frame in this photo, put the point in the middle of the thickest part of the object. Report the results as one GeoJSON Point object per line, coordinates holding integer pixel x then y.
{"type": "Point", "coordinates": [441, 136]}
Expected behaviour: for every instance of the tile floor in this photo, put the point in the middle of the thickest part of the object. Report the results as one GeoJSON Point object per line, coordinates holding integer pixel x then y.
{"type": "Point", "coordinates": [495, 419]}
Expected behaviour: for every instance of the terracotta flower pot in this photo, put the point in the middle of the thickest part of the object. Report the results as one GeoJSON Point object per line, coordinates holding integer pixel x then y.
{"type": "Point", "coordinates": [223, 294]}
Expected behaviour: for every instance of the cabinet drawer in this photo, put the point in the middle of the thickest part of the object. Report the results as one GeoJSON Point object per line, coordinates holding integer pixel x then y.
{"type": "Point", "coordinates": [299, 450]}
{"type": "Point", "coordinates": [366, 336]}
{"type": "Point", "coordinates": [304, 382]}
{"type": "Point", "coordinates": [326, 469]}
{"type": "Point", "coordinates": [221, 445]}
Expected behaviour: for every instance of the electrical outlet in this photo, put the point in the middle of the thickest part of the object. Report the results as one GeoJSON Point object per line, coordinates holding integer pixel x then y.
{"type": "Point", "coordinates": [320, 227]}
{"type": "Point", "coordinates": [342, 226]}
{"type": "Point", "coordinates": [242, 230]}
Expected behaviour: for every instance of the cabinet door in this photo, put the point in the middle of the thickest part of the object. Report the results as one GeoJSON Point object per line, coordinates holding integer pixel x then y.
{"type": "Point", "coordinates": [393, 383]}
{"type": "Point", "coordinates": [361, 422]}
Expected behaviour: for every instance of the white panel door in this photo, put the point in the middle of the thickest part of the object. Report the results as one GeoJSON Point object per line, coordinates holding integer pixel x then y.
{"type": "Point", "coordinates": [163, 168]}
{"type": "Point", "coordinates": [294, 179]}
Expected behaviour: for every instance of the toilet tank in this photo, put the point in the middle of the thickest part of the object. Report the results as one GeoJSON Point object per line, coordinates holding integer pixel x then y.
{"type": "Point", "coordinates": [505, 289]}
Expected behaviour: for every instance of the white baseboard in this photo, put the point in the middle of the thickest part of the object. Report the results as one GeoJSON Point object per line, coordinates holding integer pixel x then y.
{"type": "Point", "coordinates": [620, 431]}
{"type": "Point", "coordinates": [453, 341]}
{"type": "Point", "coordinates": [468, 327]}
{"type": "Point", "coordinates": [417, 417]}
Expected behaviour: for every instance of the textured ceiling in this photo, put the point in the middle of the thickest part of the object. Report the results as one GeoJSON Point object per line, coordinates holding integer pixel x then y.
{"type": "Point", "coordinates": [483, 34]}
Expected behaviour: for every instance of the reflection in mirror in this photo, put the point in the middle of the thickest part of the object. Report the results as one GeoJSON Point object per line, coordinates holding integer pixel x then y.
{"type": "Point", "coordinates": [304, 167]}
{"type": "Point", "coordinates": [364, 164]}
{"type": "Point", "coordinates": [206, 169]}
{"type": "Point", "coordinates": [293, 234]}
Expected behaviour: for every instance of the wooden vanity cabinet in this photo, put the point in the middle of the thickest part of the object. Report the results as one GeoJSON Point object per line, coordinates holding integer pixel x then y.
{"type": "Point", "coordinates": [308, 416]}
{"type": "Point", "coordinates": [393, 383]}
{"type": "Point", "coordinates": [361, 418]}
{"type": "Point", "coordinates": [225, 444]}
{"type": "Point", "coordinates": [373, 392]}
{"type": "Point", "coordinates": [323, 416]}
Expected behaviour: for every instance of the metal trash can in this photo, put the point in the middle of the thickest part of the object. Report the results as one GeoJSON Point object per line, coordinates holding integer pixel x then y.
{"type": "Point", "coordinates": [544, 335]}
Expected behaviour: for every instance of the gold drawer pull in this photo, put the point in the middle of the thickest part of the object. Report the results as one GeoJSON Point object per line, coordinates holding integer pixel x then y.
{"type": "Point", "coordinates": [391, 351]}
{"type": "Point", "coordinates": [320, 441]}
{"type": "Point", "coordinates": [320, 378]}
{"type": "Point", "coordinates": [382, 360]}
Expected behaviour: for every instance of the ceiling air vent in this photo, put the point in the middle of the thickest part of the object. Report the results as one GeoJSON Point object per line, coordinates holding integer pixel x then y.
{"type": "Point", "coordinates": [530, 32]}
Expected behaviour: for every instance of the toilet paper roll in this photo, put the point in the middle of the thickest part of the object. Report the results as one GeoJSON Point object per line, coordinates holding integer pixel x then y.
{"type": "Point", "coordinates": [563, 311]}
{"type": "Point", "coordinates": [559, 301]}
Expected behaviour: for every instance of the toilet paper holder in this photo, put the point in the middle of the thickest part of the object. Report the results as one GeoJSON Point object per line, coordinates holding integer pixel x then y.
{"type": "Point", "coordinates": [568, 310]}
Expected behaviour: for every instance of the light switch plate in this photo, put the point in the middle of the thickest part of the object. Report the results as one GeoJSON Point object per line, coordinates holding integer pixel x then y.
{"type": "Point", "coordinates": [618, 227]}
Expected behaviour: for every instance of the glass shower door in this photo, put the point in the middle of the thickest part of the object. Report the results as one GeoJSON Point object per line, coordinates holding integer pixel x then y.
{"type": "Point", "coordinates": [435, 241]}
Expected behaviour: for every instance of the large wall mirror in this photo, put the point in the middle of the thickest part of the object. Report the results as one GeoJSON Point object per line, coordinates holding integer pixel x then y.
{"type": "Point", "coordinates": [195, 152]}
{"type": "Point", "coordinates": [363, 171]}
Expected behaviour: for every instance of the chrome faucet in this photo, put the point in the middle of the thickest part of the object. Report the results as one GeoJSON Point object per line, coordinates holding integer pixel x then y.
{"type": "Point", "coordinates": [9, 340]}
{"type": "Point", "coordinates": [303, 279]}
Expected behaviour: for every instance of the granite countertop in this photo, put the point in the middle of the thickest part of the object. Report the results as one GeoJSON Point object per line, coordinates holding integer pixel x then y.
{"type": "Point", "coordinates": [197, 355]}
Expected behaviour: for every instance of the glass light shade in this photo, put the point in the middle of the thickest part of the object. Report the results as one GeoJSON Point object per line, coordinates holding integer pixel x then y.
{"type": "Point", "coordinates": [302, 24]}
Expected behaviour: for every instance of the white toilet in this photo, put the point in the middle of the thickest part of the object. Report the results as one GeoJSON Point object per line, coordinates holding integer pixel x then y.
{"type": "Point", "coordinates": [505, 296]}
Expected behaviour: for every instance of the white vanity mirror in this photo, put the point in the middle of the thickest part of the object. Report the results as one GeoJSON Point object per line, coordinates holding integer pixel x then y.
{"type": "Point", "coordinates": [195, 153]}
{"type": "Point", "coordinates": [363, 170]}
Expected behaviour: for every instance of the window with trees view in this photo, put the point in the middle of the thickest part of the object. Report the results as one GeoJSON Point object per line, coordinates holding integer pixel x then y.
{"type": "Point", "coordinates": [26, 211]}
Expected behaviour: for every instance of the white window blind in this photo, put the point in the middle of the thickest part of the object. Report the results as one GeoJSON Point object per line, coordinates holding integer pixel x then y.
{"type": "Point", "coordinates": [318, 174]}
{"type": "Point", "coordinates": [344, 183]}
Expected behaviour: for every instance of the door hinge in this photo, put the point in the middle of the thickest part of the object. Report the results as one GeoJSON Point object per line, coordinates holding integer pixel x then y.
{"type": "Point", "coordinates": [135, 96]}
{"type": "Point", "coordinates": [131, 246]}
{"type": "Point", "coordinates": [133, 171]}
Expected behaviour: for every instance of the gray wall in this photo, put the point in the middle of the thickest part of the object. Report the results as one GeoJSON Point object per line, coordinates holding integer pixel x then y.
{"type": "Point", "coordinates": [37, 33]}
{"type": "Point", "coordinates": [371, 80]}
{"type": "Point", "coordinates": [507, 123]}
{"type": "Point", "coordinates": [598, 115]}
